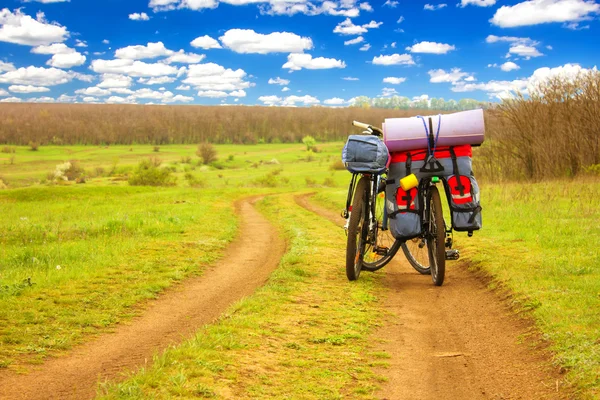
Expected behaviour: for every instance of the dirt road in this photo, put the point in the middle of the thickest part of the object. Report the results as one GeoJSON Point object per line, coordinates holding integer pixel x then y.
{"type": "Point", "coordinates": [173, 317]}
{"type": "Point", "coordinates": [458, 341]}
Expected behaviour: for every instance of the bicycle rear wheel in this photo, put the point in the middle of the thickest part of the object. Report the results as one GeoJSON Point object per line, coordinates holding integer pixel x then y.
{"type": "Point", "coordinates": [358, 227]}
{"type": "Point", "coordinates": [381, 246]}
{"type": "Point", "coordinates": [417, 254]}
{"type": "Point", "coordinates": [436, 236]}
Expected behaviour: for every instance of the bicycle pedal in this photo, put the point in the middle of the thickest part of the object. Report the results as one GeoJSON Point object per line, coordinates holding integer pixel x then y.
{"type": "Point", "coordinates": [381, 251]}
{"type": "Point", "coordinates": [453, 254]}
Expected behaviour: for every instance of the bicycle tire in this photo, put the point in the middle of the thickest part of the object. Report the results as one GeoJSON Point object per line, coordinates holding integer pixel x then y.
{"type": "Point", "coordinates": [436, 237]}
{"type": "Point", "coordinates": [417, 254]}
{"type": "Point", "coordinates": [373, 261]}
{"type": "Point", "coordinates": [357, 229]}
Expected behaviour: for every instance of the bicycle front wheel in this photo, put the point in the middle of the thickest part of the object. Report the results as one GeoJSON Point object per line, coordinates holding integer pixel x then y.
{"type": "Point", "coordinates": [382, 246]}
{"type": "Point", "coordinates": [417, 254]}
{"type": "Point", "coordinates": [436, 236]}
{"type": "Point", "coordinates": [358, 228]}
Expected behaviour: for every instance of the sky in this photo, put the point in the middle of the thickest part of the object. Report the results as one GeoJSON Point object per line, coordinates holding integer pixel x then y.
{"type": "Point", "coordinates": [288, 52]}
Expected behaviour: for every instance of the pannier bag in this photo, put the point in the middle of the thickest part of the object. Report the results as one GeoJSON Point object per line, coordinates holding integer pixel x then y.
{"type": "Point", "coordinates": [459, 183]}
{"type": "Point", "coordinates": [404, 134]}
{"type": "Point", "coordinates": [365, 154]}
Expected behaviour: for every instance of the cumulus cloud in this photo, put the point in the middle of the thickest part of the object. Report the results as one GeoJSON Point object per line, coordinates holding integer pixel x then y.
{"type": "Point", "coordinates": [393, 80]}
{"type": "Point", "coordinates": [297, 61]}
{"type": "Point", "coordinates": [365, 47]}
{"type": "Point", "coordinates": [215, 94]}
{"type": "Point", "coordinates": [3, 93]}
{"type": "Point", "coordinates": [431, 48]}
{"type": "Point", "coordinates": [357, 40]}
{"type": "Point", "coordinates": [350, 78]}
{"type": "Point", "coordinates": [270, 100]}
{"type": "Point", "coordinates": [132, 68]}
{"type": "Point", "coordinates": [335, 101]}
{"type": "Point", "coordinates": [37, 76]}
{"type": "Point", "coordinates": [211, 76]}
{"type": "Point", "coordinates": [139, 17]}
{"type": "Point", "coordinates": [394, 59]}
{"type": "Point", "coordinates": [161, 80]}
{"type": "Point", "coordinates": [479, 3]}
{"type": "Point", "coordinates": [19, 28]}
{"type": "Point", "coordinates": [27, 89]}
{"type": "Point", "coordinates": [115, 81]}
{"type": "Point", "coordinates": [387, 92]}
{"type": "Point", "coordinates": [6, 66]}
{"type": "Point", "coordinates": [279, 81]}
{"type": "Point", "coordinates": [140, 52]}
{"type": "Point", "coordinates": [11, 100]}
{"type": "Point", "coordinates": [183, 87]}
{"type": "Point", "coordinates": [431, 7]}
{"type": "Point", "coordinates": [285, 89]}
{"type": "Point", "coordinates": [93, 91]}
{"type": "Point", "coordinates": [289, 101]}
{"type": "Point", "coordinates": [534, 12]}
{"type": "Point", "coordinates": [55, 48]}
{"type": "Point", "coordinates": [509, 66]}
{"type": "Point", "coordinates": [80, 43]}
{"type": "Point", "coordinates": [67, 60]}
{"type": "Point", "coordinates": [524, 51]}
{"type": "Point", "coordinates": [205, 42]}
{"type": "Point", "coordinates": [182, 57]}
{"type": "Point", "coordinates": [440, 75]}
{"type": "Point", "coordinates": [247, 41]}
{"type": "Point", "coordinates": [346, 27]}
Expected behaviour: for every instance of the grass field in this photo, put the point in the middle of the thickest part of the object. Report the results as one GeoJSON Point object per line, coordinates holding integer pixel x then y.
{"type": "Point", "coordinates": [76, 259]}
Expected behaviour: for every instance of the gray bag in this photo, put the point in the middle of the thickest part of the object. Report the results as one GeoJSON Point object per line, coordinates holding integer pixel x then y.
{"type": "Point", "coordinates": [365, 154]}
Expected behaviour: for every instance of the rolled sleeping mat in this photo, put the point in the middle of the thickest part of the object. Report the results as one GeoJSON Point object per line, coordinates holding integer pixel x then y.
{"type": "Point", "coordinates": [403, 134]}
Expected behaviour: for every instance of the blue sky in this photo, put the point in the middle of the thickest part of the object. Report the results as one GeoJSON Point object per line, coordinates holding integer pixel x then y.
{"type": "Point", "coordinates": [287, 52]}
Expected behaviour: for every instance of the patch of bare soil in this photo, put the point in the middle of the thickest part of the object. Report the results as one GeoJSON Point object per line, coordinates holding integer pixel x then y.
{"type": "Point", "coordinates": [170, 319]}
{"type": "Point", "coordinates": [458, 341]}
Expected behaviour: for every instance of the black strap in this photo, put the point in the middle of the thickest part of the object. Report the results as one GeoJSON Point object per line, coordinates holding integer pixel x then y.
{"type": "Point", "coordinates": [408, 164]}
{"type": "Point", "coordinates": [460, 187]}
{"type": "Point", "coordinates": [432, 165]}
{"type": "Point", "coordinates": [350, 191]}
{"type": "Point", "coordinates": [476, 211]}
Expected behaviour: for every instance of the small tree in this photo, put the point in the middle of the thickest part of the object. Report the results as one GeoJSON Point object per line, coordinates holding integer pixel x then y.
{"type": "Point", "coordinates": [207, 153]}
{"type": "Point", "coordinates": [309, 141]}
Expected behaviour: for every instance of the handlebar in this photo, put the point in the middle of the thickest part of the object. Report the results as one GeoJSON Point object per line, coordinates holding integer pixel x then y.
{"type": "Point", "coordinates": [372, 129]}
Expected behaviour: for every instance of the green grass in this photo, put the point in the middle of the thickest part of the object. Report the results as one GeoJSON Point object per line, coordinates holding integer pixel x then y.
{"type": "Point", "coordinates": [305, 334]}
{"type": "Point", "coordinates": [540, 241]}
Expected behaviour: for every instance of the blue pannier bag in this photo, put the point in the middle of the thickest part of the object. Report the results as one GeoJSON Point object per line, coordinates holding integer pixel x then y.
{"type": "Point", "coordinates": [365, 154]}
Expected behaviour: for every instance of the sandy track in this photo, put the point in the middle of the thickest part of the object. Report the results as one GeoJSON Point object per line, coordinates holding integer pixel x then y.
{"type": "Point", "coordinates": [170, 319]}
{"type": "Point", "coordinates": [459, 341]}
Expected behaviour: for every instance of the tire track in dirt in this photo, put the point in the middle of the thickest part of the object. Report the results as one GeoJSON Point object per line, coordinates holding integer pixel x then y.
{"type": "Point", "coordinates": [458, 341]}
{"type": "Point", "coordinates": [173, 317]}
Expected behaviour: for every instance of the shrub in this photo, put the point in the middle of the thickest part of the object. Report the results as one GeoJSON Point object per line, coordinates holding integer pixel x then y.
{"type": "Point", "coordinates": [75, 171]}
{"type": "Point", "coordinates": [337, 165]}
{"type": "Point", "coordinates": [8, 149]}
{"type": "Point", "coordinates": [194, 181]}
{"type": "Point", "coordinates": [186, 160]}
{"type": "Point", "coordinates": [149, 173]}
{"type": "Point", "coordinates": [156, 149]}
{"type": "Point", "coordinates": [309, 141]}
{"type": "Point", "coordinates": [207, 153]}
{"type": "Point", "coordinates": [329, 182]}
{"type": "Point", "coordinates": [3, 185]}
{"type": "Point", "coordinates": [33, 146]}
{"type": "Point", "coordinates": [310, 182]}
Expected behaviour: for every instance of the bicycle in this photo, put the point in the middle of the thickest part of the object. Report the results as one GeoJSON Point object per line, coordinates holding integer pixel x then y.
{"type": "Point", "coordinates": [370, 244]}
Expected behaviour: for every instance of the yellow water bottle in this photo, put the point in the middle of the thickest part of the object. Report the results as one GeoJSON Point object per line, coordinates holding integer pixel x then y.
{"type": "Point", "coordinates": [409, 182]}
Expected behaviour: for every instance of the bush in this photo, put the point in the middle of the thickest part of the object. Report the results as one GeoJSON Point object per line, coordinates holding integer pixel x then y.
{"type": "Point", "coordinates": [149, 173]}
{"type": "Point", "coordinates": [207, 153]}
{"type": "Point", "coordinates": [8, 149]}
{"type": "Point", "coordinates": [329, 182]}
{"type": "Point", "coordinates": [337, 165]}
{"type": "Point", "coordinates": [33, 146]}
{"type": "Point", "coordinates": [68, 171]}
{"type": "Point", "coordinates": [194, 181]}
{"type": "Point", "coordinates": [309, 141]}
{"type": "Point", "coordinates": [156, 149]}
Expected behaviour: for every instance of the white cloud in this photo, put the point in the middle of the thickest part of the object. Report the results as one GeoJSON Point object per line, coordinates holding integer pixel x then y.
{"type": "Point", "coordinates": [270, 100]}
{"type": "Point", "coordinates": [27, 89]}
{"type": "Point", "coordinates": [357, 40]}
{"type": "Point", "coordinates": [346, 27]}
{"type": "Point", "coordinates": [132, 68]}
{"type": "Point", "coordinates": [3, 93]}
{"type": "Point", "coordinates": [247, 41]}
{"type": "Point", "coordinates": [440, 75]}
{"type": "Point", "coordinates": [183, 87]}
{"type": "Point", "coordinates": [55, 48]}
{"type": "Point", "coordinates": [536, 12]}
{"type": "Point", "coordinates": [206, 42]}
{"type": "Point", "coordinates": [80, 43]}
{"type": "Point", "coordinates": [393, 45]}
{"type": "Point", "coordinates": [238, 93]}
{"type": "Point", "coordinates": [279, 81]}
{"type": "Point", "coordinates": [335, 101]}
{"type": "Point", "coordinates": [394, 59]}
{"type": "Point", "coordinates": [431, 7]}
{"type": "Point", "coordinates": [350, 78]}
{"type": "Point", "coordinates": [366, 7]}
{"type": "Point", "coordinates": [11, 100]}
{"type": "Point", "coordinates": [179, 99]}
{"type": "Point", "coordinates": [387, 92]}
{"type": "Point", "coordinates": [139, 17]}
{"type": "Point", "coordinates": [509, 66]}
{"type": "Point", "coordinates": [117, 100]}
{"type": "Point", "coordinates": [297, 61]}
{"type": "Point", "coordinates": [431, 48]}
{"type": "Point", "coordinates": [479, 3]}
{"type": "Point", "coordinates": [393, 80]}
{"type": "Point", "coordinates": [391, 3]}
{"type": "Point", "coordinates": [524, 51]}
{"type": "Point", "coordinates": [6, 66]}
{"type": "Point", "coordinates": [365, 47]}
{"type": "Point", "coordinates": [306, 100]}
{"type": "Point", "coordinates": [285, 89]}
{"type": "Point", "coordinates": [140, 52]}
{"type": "Point", "coordinates": [161, 80]}
{"type": "Point", "coordinates": [121, 90]}
{"type": "Point", "coordinates": [115, 81]}
{"type": "Point", "coordinates": [182, 57]}
{"type": "Point", "coordinates": [67, 60]}
{"type": "Point", "coordinates": [510, 39]}
{"type": "Point", "coordinates": [93, 91]}
{"type": "Point", "coordinates": [400, 20]}
{"type": "Point", "coordinates": [215, 94]}
{"type": "Point", "coordinates": [22, 29]}
{"type": "Point", "coordinates": [211, 76]}
{"type": "Point", "coordinates": [37, 76]}
{"type": "Point", "coordinates": [106, 41]}
{"type": "Point", "coordinates": [90, 99]}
